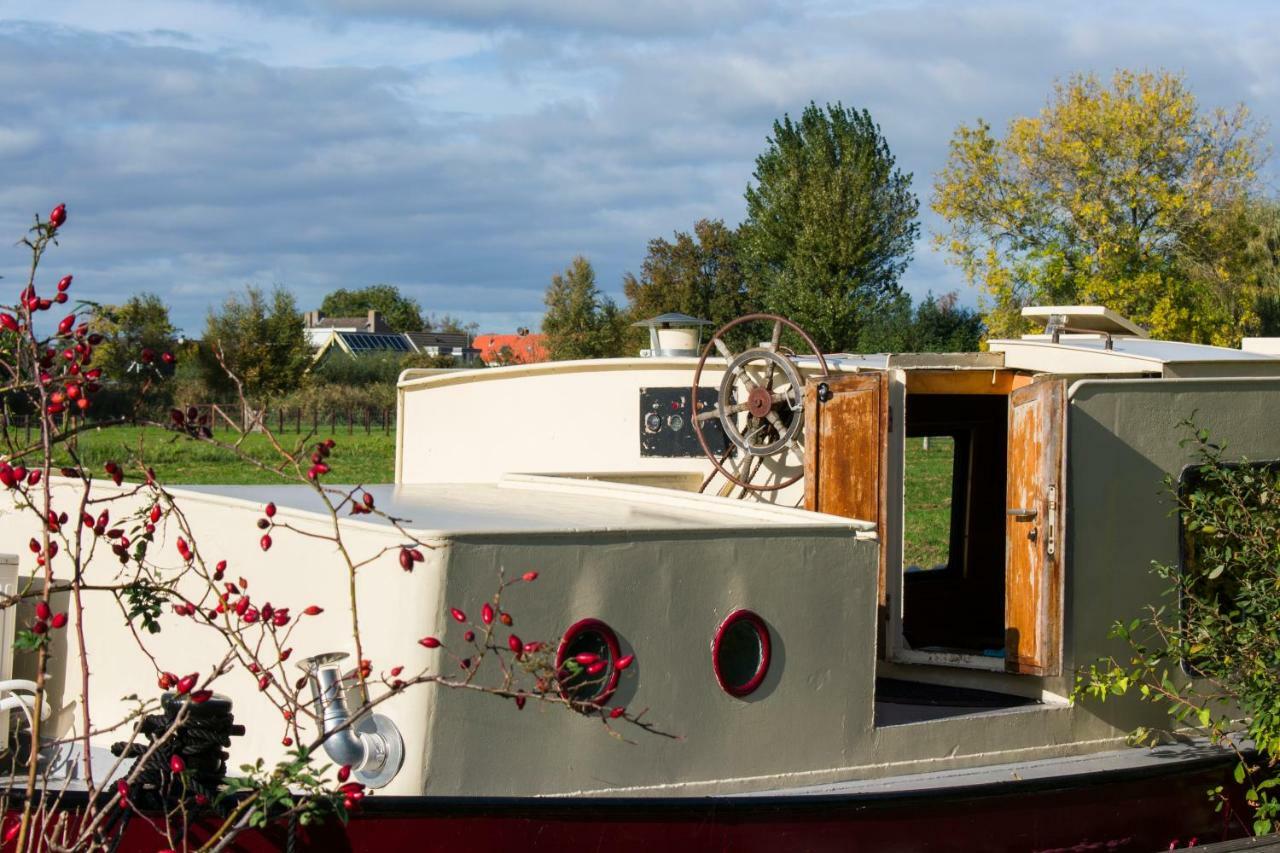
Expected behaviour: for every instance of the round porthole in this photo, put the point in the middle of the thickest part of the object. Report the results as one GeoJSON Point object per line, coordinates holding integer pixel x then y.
{"type": "Point", "coordinates": [585, 662]}
{"type": "Point", "coordinates": [740, 653]}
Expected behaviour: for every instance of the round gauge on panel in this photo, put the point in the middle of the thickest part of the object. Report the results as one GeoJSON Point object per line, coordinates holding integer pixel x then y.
{"type": "Point", "coordinates": [675, 422]}
{"type": "Point", "coordinates": [652, 422]}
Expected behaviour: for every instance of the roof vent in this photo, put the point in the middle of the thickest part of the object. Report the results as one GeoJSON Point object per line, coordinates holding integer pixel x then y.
{"type": "Point", "coordinates": [673, 335]}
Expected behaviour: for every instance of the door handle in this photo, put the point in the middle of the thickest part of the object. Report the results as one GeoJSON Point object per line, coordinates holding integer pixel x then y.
{"type": "Point", "coordinates": [1022, 514]}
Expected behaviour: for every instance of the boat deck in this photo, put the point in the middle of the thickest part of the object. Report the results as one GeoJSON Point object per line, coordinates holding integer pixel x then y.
{"type": "Point", "coordinates": [540, 504]}
{"type": "Point", "coordinates": [1061, 771]}
{"type": "Point", "coordinates": [900, 702]}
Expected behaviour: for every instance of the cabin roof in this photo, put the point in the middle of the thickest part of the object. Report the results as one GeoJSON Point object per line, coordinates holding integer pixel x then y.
{"type": "Point", "coordinates": [1089, 354]}
{"type": "Point", "coordinates": [539, 504]}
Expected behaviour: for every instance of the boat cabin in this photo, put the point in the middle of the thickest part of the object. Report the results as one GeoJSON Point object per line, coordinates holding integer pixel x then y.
{"type": "Point", "coordinates": [831, 568]}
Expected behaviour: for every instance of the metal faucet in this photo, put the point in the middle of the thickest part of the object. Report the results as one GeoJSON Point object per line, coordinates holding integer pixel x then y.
{"type": "Point", "coordinates": [371, 745]}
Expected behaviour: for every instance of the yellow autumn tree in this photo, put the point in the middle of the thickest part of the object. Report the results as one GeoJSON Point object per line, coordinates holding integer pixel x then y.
{"type": "Point", "coordinates": [1099, 199]}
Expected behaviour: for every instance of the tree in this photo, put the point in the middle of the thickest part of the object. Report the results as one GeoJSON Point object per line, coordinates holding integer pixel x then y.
{"type": "Point", "coordinates": [401, 313]}
{"type": "Point", "coordinates": [1234, 257]}
{"type": "Point", "coordinates": [941, 324]}
{"type": "Point", "coordinates": [935, 324]}
{"type": "Point", "coordinates": [1093, 200]}
{"type": "Point", "coordinates": [261, 339]}
{"type": "Point", "coordinates": [129, 332]}
{"type": "Point", "coordinates": [581, 322]}
{"type": "Point", "coordinates": [830, 224]}
{"type": "Point", "coordinates": [452, 324]}
{"type": "Point", "coordinates": [698, 274]}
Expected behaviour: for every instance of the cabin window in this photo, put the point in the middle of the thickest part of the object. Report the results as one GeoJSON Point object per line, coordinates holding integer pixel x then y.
{"type": "Point", "coordinates": [585, 662]}
{"type": "Point", "coordinates": [740, 653]}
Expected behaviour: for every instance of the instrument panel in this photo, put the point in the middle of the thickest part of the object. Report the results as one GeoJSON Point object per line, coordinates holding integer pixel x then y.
{"type": "Point", "coordinates": [666, 423]}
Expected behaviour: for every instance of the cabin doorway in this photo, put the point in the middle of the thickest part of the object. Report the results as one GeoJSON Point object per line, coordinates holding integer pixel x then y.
{"type": "Point", "coordinates": [953, 523]}
{"type": "Point", "coordinates": [962, 473]}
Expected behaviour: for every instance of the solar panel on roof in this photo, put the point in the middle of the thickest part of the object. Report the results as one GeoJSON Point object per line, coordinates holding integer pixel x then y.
{"type": "Point", "coordinates": [365, 342]}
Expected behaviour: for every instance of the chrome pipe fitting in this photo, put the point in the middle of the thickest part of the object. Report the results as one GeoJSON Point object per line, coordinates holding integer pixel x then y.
{"type": "Point", "coordinates": [371, 745]}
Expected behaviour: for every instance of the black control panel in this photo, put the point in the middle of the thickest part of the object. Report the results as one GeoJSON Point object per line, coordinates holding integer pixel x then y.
{"type": "Point", "coordinates": [666, 423]}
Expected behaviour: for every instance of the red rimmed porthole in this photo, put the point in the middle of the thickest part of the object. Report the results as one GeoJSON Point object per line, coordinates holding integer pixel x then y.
{"type": "Point", "coordinates": [582, 684]}
{"type": "Point", "coordinates": [740, 652]}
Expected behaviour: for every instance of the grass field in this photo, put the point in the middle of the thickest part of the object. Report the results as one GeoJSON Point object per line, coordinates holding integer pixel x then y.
{"type": "Point", "coordinates": [927, 504]}
{"type": "Point", "coordinates": [357, 458]}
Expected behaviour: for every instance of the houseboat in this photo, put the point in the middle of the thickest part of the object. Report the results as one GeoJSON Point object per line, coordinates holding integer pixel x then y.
{"type": "Point", "coordinates": [856, 590]}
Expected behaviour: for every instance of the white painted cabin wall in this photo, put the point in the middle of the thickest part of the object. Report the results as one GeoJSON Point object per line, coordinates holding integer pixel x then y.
{"type": "Point", "coordinates": [550, 418]}
{"type": "Point", "coordinates": [396, 609]}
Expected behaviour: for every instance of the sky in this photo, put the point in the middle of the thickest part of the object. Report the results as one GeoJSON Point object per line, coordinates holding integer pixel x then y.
{"type": "Point", "coordinates": [467, 150]}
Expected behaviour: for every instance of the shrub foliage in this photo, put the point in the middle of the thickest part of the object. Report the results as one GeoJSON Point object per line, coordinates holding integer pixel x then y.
{"type": "Point", "coordinates": [1210, 653]}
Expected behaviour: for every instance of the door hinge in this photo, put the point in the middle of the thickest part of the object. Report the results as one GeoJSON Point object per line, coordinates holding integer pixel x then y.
{"type": "Point", "coordinates": [1051, 523]}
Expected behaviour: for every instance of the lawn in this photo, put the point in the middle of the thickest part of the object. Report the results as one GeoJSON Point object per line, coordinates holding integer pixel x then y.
{"type": "Point", "coordinates": [927, 502]}
{"type": "Point", "coordinates": [177, 459]}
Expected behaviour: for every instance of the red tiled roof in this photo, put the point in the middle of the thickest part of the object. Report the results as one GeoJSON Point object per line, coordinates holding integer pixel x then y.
{"type": "Point", "coordinates": [525, 349]}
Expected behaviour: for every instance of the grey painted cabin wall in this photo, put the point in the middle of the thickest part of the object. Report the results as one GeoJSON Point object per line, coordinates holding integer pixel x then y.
{"type": "Point", "coordinates": [665, 595]}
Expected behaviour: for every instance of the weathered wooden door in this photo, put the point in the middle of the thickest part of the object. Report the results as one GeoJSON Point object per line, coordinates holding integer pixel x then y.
{"type": "Point", "coordinates": [1034, 530]}
{"type": "Point", "coordinates": [846, 449]}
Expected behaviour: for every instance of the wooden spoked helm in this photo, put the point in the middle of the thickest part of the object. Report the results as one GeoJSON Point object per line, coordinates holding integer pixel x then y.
{"type": "Point", "coordinates": [760, 404]}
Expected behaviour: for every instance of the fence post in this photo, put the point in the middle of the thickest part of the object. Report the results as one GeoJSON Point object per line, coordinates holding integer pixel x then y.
{"type": "Point", "coordinates": [366, 420]}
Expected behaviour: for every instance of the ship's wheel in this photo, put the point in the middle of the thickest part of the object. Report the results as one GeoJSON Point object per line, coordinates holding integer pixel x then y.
{"type": "Point", "coordinates": [760, 404]}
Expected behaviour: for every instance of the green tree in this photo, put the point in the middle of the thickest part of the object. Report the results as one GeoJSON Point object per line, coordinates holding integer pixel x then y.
{"type": "Point", "coordinates": [1093, 201]}
{"type": "Point", "coordinates": [1234, 258]}
{"type": "Point", "coordinates": [581, 322]}
{"type": "Point", "coordinates": [261, 339]}
{"type": "Point", "coordinates": [890, 328]}
{"type": "Point", "coordinates": [942, 324]}
{"type": "Point", "coordinates": [140, 324]}
{"type": "Point", "coordinates": [698, 274]}
{"type": "Point", "coordinates": [831, 223]}
{"type": "Point", "coordinates": [935, 324]}
{"type": "Point", "coordinates": [450, 323]}
{"type": "Point", "coordinates": [401, 313]}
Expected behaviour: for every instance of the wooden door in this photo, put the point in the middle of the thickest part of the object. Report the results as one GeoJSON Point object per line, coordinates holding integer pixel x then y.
{"type": "Point", "coordinates": [846, 449]}
{"type": "Point", "coordinates": [1034, 530]}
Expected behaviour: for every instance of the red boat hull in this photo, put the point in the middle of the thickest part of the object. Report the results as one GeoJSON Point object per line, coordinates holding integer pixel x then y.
{"type": "Point", "coordinates": [1124, 810]}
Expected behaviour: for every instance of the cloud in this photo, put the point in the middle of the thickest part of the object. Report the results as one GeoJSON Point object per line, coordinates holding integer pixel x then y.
{"type": "Point", "coordinates": [650, 18]}
{"type": "Point", "coordinates": [202, 146]}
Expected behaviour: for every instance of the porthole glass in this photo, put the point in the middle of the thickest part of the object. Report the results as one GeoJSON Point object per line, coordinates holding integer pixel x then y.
{"type": "Point", "coordinates": [740, 653]}
{"type": "Point", "coordinates": [584, 647]}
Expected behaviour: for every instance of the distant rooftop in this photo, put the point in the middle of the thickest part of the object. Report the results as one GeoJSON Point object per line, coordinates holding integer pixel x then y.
{"type": "Point", "coordinates": [524, 348]}
{"type": "Point", "coordinates": [371, 322]}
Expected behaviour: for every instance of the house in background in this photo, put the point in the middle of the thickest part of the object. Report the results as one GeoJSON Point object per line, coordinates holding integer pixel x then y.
{"type": "Point", "coordinates": [320, 328]}
{"type": "Point", "coordinates": [520, 348]}
{"type": "Point", "coordinates": [456, 344]}
{"type": "Point", "coordinates": [357, 336]}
